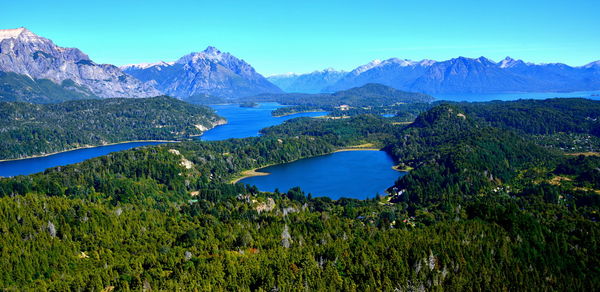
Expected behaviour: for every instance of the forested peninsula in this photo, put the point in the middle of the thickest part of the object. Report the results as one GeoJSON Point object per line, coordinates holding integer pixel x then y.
{"type": "Point", "coordinates": [37, 129]}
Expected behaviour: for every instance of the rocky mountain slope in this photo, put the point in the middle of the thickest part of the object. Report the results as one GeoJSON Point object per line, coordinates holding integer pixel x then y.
{"type": "Point", "coordinates": [37, 60]}
{"type": "Point", "coordinates": [472, 75]}
{"type": "Point", "coordinates": [210, 72]}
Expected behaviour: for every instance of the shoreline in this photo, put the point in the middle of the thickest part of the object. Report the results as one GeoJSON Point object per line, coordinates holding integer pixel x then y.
{"type": "Point", "coordinates": [588, 153]}
{"type": "Point", "coordinates": [402, 169]}
{"type": "Point", "coordinates": [88, 147]}
{"type": "Point", "coordinates": [250, 173]}
{"type": "Point", "coordinates": [301, 112]}
{"type": "Point", "coordinates": [356, 149]}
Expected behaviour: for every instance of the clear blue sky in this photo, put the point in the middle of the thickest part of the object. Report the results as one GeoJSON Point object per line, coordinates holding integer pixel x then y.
{"type": "Point", "coordinates": [305, 35]}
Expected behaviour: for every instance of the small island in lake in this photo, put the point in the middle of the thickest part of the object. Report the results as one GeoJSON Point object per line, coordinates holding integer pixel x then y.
{"type": "Point", "coordinates": [249, 104]}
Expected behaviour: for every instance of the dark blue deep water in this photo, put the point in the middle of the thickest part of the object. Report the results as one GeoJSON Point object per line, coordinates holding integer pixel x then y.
{"type": "Point", "coordinates": [245, 122]}
{"type": "Point", "coordinates": [38, 164]}
{"type": "Point", "coordinates": [349, 174]}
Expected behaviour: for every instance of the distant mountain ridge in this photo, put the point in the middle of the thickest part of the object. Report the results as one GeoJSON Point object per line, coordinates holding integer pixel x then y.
{"type": "Point", "coordinates": [34, 59]}
{"type": "Point", "coordinates": [34, 69]}
{"type": "Point", "coordinates": [210, 72]}
{"type": "Point", "coordinates": [472, 75]}
{"type": "Point", "coordinates": [458, 75]}
{"type": "Point", "coordinates": [312, 82]}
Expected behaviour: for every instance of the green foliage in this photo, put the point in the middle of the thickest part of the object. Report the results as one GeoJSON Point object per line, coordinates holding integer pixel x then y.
{"type": "Point", "coordinates": [16, 87]}
{"type": "Point", "coordinates": [339, 132]}
{"type": "Point", "coordinates": [573, 115]}
{"type": "Point", "coordinates": [248, 104]}
{"type": "Point", "coordinates": [485, 208]}
{"type": "Point", "coordinates": [367, 96]}
{"type": "Point", "coordinates": [455, 157]}
{"type": "Point", "coordinates": [29, 129]}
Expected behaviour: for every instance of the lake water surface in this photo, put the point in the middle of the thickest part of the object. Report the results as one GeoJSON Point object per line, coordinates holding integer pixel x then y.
{"type": "Point", "coordinates": [242, 122]}
{"type": "Point", "coordinates": [38, 164]}
{"type": "Point", "coordinates": [349, 174]}
{"type": "Point", "coordinates": [245, 122]}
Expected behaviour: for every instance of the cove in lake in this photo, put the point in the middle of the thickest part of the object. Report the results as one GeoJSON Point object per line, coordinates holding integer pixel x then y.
{"type": "Point", "coordinates": [38, 164]}
{"type": "Point", "coordinates": [348, 174]}
{"type": "Point", "coordinates": [245, 122]}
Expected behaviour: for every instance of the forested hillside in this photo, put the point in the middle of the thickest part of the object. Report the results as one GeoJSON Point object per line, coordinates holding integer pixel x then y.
{"type": "Point", "coordinates": [30, 129]}
{"type": "Point", "coordinates": [484, 208]}
{"type": "Point", "coordinates": [366, 96]}
{"type": "Point", "coordinates": [567, 124]}
{"type": "Point", "coordinates": [16, 87]}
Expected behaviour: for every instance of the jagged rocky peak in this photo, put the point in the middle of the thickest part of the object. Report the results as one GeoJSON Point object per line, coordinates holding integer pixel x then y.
{"type": "Point", "coordinates": [509, 62]}
{"type": "Point", "coordinates": [25, 53]}
{"type": "Point", "coordinates": [17, 32]}
{"type": "Point", "coordinates": [209, 72]}
{"type": "Point", "coordinates": [210, 53]}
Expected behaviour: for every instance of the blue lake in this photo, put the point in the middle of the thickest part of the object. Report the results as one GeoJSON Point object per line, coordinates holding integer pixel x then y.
{"type": "Point", "coordinates": [515, 96]}
{"type": "Point", "coordinates": [245, 122]}
{"type": "Point", "coordinates": [349, 174]}
{"type": "Point", "coordinates": [242, 122]}
{"type": "Point", "coordinates": [38, 164]}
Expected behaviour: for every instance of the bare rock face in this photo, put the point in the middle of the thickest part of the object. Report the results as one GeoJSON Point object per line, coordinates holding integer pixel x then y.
{"type": "Point", "coordinates": [209, 72]}
{"type": "Point", "coordinates": [26, 53]}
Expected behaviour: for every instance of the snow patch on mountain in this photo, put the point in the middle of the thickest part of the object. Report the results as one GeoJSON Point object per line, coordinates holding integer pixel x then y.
{"type": "Point", "coordinates": [209, 72]}
{"type": "Point", "coordinates": [146, 65]}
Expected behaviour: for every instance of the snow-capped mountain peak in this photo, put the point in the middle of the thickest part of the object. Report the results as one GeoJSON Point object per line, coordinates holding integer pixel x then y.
{"type": "Point", "coordinates": [426, 62]}
{"type": "Point", "coordinates": [16, 33]}
{"type": "Point", "coordinates": [146, 65]}
{"type": "Point", "coordinates": [592, 65]}
{"type": "Point", "coordinates": [400, 62]}
{"type": "Point", "coordinates": [210, 53]}
{"type": "Point", "coordinates": [287, 74]}
{"type": "Point", "coordinates": [207, 72]}
{"type": "Point", "coordinates": [25, 53]}
{"type": "Point", "coordinates": [366, 67]}
{"type": "Point", "coordinates": [509, 62]}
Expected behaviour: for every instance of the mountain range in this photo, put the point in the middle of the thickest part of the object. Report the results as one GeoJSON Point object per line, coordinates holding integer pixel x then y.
{"type": "Point", "coordinates": [313, 82]}
{"type": "Point", "coordinates": [33, 68]}
{"type": "Point", "coordinates": [458, 75]}
{"type": "Point", "coordinates": [210, 72]}
{"type": "Point", "coordinates": [466, 75]}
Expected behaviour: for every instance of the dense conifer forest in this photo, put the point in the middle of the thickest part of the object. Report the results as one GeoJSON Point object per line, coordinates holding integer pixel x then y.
{"type": "Point", "coordinates": [486, 206]}
{"type": "Point", "coordinates": [31, 129]}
